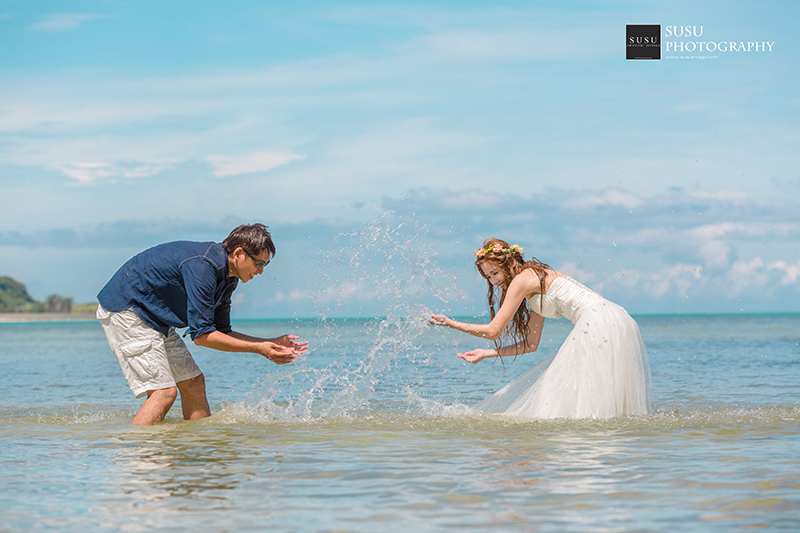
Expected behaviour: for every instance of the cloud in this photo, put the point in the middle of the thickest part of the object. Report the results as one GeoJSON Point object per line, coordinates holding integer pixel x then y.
{"type": "Point", "coordinates": [89, 172]}
{"type": "Point", "coordinates": [56, 22]}
{"type": "Point", "coordinates": [791, 272]}
{"type": "Point", "coordinates": [294, 296]}
{"type": "Point", "coordinates": [106, 236]}
{"type": "Point", "coordinates": [605, 198]}
{"type": "Point", "coordinates": [680, 277]}
{"type": "Point", "coordinates": [650, 260]}
{"type": "Point", "coordinates": [261, 161]}
{"type": "Point", "coordinates": [715, 254]}
{"type": "Point", "coordinates": [390, 116]}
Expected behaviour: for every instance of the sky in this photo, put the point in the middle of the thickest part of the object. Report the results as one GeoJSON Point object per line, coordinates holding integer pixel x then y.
{"type": "Point", "coordinates": [381, 142]}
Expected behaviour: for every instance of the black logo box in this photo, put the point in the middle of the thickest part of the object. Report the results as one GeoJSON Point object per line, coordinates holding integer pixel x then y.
{"type": "Point", "coordinates": [643, 41]}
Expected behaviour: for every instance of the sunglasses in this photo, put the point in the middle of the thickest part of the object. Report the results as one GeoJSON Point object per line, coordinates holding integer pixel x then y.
{"type": "Point", "coordinates": [258, 262]}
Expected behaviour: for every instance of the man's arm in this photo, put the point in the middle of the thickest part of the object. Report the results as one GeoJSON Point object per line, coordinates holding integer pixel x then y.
{"type": "Point", "coordinates": [280, 351]}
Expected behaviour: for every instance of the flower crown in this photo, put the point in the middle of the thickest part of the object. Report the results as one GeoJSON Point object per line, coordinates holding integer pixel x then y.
{"type": "Point", "coordinates": [498, 249]}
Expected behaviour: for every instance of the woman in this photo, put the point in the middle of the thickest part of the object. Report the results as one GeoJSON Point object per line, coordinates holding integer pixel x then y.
{"type": "Point", "coordinates": [600, 371]}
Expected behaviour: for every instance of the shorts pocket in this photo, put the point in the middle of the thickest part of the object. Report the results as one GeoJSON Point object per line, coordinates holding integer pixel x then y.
{"type": "Point", "coordinates": [133, 353]}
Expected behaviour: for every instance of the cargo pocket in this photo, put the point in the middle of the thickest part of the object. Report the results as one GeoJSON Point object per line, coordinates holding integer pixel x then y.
{"type": "Point", "coordinates": [132, 352]}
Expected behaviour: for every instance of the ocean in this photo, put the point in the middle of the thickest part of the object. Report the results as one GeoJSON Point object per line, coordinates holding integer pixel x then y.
{"type": "Point", "coordinates": [373, 430]}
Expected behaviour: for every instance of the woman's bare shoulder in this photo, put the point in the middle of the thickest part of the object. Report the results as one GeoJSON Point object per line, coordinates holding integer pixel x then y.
{"type": "Point", "coordinates": [551, 277]}
{"type": "Point", "coordinates": [529, 282]}
{"type": "Point", "coordinates": [532, 279]}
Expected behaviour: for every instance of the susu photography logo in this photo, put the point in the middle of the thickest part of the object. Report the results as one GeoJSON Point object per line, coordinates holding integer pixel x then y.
{"type": "Point", "coordinates": [643, 41]}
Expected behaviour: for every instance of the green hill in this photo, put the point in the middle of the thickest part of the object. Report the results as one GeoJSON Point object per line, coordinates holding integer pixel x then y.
{"type": "Point", "coordinates": [14, 298]}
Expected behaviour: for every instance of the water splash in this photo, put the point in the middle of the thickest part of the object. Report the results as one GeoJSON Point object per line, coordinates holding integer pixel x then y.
{"type": "Point", "coordinates": [386, 269]}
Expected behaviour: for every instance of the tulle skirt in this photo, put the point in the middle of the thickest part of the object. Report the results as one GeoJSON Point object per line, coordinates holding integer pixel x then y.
{"type": "Point", "coordinates": [600, 371]}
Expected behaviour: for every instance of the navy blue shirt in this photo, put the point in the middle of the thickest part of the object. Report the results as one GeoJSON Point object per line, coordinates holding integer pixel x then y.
{"type": "Point", "coordinates": [177, 284]}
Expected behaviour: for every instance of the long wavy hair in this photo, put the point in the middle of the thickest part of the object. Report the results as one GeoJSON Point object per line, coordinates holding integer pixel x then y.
{"type": "Point", "coordinates": [511, 262]}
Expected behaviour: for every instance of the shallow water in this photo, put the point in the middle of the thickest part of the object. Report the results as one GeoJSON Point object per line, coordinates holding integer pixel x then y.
{"type": "Point", "coordinates": [373, 431]}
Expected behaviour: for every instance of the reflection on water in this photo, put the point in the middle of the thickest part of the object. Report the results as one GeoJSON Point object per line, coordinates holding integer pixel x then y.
{"type": "Point", "coordinates": [430, 468]}
{"type": "Point", "coordinates": [177, 467]}
{"type": "Point", "coordinates": [158, 474]}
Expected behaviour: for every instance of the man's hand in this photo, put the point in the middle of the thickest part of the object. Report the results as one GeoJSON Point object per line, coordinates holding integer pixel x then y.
{"type": "Point", "coordinates": [283, 349]}
{"type": "Point", "coordinates": [290, 341]}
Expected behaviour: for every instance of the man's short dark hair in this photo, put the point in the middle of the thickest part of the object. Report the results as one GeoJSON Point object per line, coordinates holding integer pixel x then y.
{"type": "Point", "coordinates": [253, 238]}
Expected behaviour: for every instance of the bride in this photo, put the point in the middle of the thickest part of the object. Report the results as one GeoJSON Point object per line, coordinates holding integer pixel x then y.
{"type": "Point", "coordinates": [600, 371]}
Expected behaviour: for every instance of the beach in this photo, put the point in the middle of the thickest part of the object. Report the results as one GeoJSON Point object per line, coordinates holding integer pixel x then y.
{"type": "Point", "coordinates": [45, 317]}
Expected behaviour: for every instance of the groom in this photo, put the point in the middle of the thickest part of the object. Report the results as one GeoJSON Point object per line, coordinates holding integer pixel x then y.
{"type": "Point", "coordinates": [177, 285]}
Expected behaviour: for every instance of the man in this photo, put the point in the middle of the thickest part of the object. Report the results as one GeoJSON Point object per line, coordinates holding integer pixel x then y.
{"type": "Point", "coordinates": [177, 285]}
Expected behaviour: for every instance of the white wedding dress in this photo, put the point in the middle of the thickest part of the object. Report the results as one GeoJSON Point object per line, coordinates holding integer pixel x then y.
{"type": "Point", "coordinates": [600, 371]}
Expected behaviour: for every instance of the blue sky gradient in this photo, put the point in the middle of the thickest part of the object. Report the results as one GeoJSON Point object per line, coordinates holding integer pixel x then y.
{"type": "Point", "coordinates": [669, 186]}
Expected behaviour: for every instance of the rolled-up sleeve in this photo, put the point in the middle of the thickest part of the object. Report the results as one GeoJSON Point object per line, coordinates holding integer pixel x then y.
{"type": "Point", "coordinates": [200, 282]}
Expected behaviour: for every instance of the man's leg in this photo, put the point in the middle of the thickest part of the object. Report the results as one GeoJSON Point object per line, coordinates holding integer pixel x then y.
{"type": "Point", "coordinates": [193, 398]}
{"type": "Point", "coordinates": [142, 355]}
{"type": "Point", "coordinates": [155, 407]}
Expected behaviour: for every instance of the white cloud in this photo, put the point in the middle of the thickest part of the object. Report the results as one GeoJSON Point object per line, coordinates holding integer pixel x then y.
{"type": "Point", "coordinates": [730, 197]}
{"type": "Point", "coordinates": [609, 197]}
{"type": "Point", "coordinates": [746, 274]}
{"type": "Point", "coordinates": [715, 254]}
{"type": "Point", "coordinates": [346, 292]}
{"type": "Point", "coordinates": [63, 21]}
{"type": "Point", "coordinates": [473, 200]}
{"type": "Point", "coordinates": [89, 172]}
{"type": "Point", "coordinates": [261, 161]}
{"type": "Point", "coordinates": [696, 271]}
{"type": "Point", "coordinates": [627, 277]}
{"type": "Point", "coordinates": [584, 276]}
{"type": "Point", "coordinates": [294, 296]}
{"type": "Point", "coordinates": [680, 278]}
{"type": "Point", "coordinates": [748, 229]}
{"type": "Point", "coordinates": [791, 271]}
{"type": "Point", "coordinates": [238, 299]}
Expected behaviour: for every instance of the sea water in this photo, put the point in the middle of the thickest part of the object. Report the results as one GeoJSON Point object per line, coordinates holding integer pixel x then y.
{"type": "Point", "coordinates": [356, 439]}
{"type": "Point", "coordinates": [373, 430]}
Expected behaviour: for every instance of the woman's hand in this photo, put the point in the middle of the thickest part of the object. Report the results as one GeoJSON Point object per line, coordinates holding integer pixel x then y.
{"type": "Point", "coordinates": [477, 355]}
{"type": "Point", "coordinates": [439, 320]}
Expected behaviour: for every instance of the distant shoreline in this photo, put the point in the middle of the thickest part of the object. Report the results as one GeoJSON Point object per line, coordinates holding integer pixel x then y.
{"type": "Point", "coordinates": [45, 317]}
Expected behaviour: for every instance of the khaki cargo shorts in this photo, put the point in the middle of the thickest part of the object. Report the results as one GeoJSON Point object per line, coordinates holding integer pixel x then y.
{"type": "Point", "coordinates": [148, 359]}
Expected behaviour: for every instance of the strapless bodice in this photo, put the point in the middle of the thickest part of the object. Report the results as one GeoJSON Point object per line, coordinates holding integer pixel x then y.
{"type": "Point", "coordinates": [564, 298]}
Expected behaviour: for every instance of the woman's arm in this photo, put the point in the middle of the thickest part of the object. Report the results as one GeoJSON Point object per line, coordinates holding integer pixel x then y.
{"type": "Point", "coordinates": [521, 287]}
{"type": "Point", "coordinates": [530, 344]}
{"type": "Point", "coordinates": [476, 330]}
